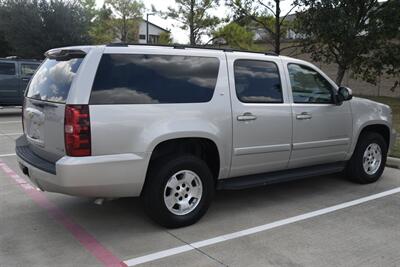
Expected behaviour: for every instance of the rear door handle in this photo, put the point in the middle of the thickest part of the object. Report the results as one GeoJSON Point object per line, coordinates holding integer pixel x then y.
{"type": "Point", "coordinates": [246, 117]}
{"type": "Point", "coordinates": [304, 116]}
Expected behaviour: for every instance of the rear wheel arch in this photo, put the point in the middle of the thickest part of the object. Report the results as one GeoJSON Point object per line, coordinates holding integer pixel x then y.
{"type": "Point", "coordinates": [174, 200]}
{"type": "Point", "coordinates": [203, 148]}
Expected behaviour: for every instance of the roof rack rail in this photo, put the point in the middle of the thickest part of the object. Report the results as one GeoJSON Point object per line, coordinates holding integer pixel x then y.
{"type": "Point", "coordinates": [180, 46]}
{"type": "Point", "coordinates": [117, 44]}
{"type": "Point", "coordinates": [19, 59]}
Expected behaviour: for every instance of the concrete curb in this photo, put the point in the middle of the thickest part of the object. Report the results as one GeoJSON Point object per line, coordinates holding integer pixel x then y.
{"type": "Point", "coordinates": [393, 162]}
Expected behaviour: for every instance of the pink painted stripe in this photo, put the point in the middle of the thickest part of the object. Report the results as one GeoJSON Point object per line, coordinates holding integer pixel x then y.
{"type": "Point", "coordinates": [87, 240]}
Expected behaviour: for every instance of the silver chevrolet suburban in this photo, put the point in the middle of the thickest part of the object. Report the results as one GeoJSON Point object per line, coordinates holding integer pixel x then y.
{"type": "Point", "coordinates": [173, 124]}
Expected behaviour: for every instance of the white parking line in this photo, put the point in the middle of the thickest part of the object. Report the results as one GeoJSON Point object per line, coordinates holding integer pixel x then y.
{"type": "Point", "coordinates": [253, 230]}
{"type": "Point", "coordinates": [6, 134]}
{"type": "Point", "coordinates": [5, 122]}
{"type": "Point", "coordinates": [7, 155]}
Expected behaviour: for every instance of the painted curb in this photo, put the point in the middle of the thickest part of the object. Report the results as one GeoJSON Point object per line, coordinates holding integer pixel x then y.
{"type": "Point", "coordinates": [393, 162]}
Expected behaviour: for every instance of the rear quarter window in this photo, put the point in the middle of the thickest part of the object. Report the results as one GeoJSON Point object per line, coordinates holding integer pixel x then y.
{"type": "Point", "coordinates": [154, 79]}
{"type": "Point", "coordinates": [53, 80]}
{"type": "Point", "coordinates": [28, 69]}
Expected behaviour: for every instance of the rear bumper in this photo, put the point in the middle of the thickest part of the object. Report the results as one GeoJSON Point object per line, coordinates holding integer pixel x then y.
{"type": "Point", "coordinates": [119, 175]}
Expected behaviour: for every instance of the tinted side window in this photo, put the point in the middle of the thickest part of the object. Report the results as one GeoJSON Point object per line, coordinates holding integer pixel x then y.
{"type": "Point", "coordinates": [308, 86]}
{"type": "Point", "coordinates": [151, 79]}
{"type": "Point", "coordinates": [257, 82]}
{"type": "Point", "coordinates": [53, 80]}
{"type": "Point", "coordinates": [7, 68]}
{"type": "Point", "coordinates": [28, 69]}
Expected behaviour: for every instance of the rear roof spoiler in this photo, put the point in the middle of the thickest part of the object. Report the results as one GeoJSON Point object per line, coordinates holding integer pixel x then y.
{"type": "Point", "coordinates": [64, 54]}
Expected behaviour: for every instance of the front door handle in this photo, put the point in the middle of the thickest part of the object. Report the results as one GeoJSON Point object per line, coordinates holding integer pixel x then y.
{"type": "Point", "coordinates": [303, 116]}
{"type": "Point", "coordinates": [247, 116]}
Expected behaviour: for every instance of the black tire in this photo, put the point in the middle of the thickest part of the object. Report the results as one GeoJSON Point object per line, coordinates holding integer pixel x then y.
{"type": "Point", "coordinates": [355, 170]}
{"type": "Point", "coordinates": [156, 181]}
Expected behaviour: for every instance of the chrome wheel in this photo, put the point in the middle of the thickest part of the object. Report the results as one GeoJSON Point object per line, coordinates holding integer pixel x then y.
{"type": "Point", "coordinates": [372, 159]}
{"type": "Point", "coordinates": [183, 192]}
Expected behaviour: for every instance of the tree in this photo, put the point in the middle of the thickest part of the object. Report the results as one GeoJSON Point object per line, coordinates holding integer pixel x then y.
{"type": "Point", "coordinates": [102, 27]}
{"type": "Point", "coordinates": [193, 15]}
{"type": "Point", "coordinates": [64, 23]}
{"type": "Point", "coordinates": [5, 49]}
{"type": "Point", "coordinates": [260, 13]}
{"type": "Point", "coordinates": [128, 13]}
{"type": "Point", "coordinates": [348, 33]}
{"type": "Point", "coordinates": [165, 38]}
{"type": "Point", "coordinates": [384, 59]}
{"type": "Point", "coordinates": [235, 36]}
{"type": "Point", "coordinates": [89, 6]}
{"type": "Point", "coordinates": [31, 27]}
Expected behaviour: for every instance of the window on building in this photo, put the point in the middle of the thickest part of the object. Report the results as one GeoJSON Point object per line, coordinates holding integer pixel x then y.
{"type": "Point", "coordinates": [154, 39]}
{"type": "Point", "coordinates": [142, 37]}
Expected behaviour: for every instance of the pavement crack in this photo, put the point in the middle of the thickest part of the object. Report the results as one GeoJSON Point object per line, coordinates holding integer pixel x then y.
{"type": "Point", "coordinates": [199, 250]}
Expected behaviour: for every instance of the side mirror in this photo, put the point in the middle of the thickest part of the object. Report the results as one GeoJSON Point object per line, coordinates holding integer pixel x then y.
{"type": "Point", "coordinates": [344, 94]}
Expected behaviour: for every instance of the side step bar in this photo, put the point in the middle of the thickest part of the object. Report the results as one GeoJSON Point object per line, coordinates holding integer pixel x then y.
{"type": "Point", "coordinates": [255, 180]}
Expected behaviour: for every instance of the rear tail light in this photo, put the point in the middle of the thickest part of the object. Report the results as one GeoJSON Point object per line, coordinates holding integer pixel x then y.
{"type": "Point", "coordinates": [77, 131]}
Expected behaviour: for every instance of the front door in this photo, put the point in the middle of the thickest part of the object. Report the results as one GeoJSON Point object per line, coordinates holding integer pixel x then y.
{"type": "Point", "coordinates": [262, 122]}
{"type": "Point", "coordinates": [322, 130]}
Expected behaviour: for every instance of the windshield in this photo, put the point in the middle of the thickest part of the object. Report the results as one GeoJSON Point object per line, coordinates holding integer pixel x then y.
{"type": "Point", "coordinates": [53, 80]}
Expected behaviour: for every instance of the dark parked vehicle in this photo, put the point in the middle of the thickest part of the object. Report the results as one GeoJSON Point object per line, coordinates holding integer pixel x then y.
{"type": "Point", "coordinates": [15, 74]}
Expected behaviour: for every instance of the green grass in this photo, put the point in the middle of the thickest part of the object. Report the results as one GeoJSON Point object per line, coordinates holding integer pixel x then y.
{"type": "Point", "coordinates": [394, 103]}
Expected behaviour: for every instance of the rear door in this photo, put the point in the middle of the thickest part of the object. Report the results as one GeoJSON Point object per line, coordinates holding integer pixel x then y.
{"type": "Point", "coordinates": [45, 105]}
{"type": "Point", "coordinates": [9, 83]}
{"type": "Point", "coordinates": [262, 120]}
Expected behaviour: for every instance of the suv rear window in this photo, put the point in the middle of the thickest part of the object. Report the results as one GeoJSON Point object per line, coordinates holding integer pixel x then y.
{"type": "Point", "coordinates": [151, 79]}
{"type": "Point", "coordinates": [53, 80]}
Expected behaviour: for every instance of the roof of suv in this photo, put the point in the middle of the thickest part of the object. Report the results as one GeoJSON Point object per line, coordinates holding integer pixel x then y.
{"type": "Point", "coordinates": [87, 48]}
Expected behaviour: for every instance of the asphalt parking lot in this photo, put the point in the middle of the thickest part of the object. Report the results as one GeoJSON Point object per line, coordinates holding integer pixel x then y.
{"type": "Point", "coordinates": [321, 221]}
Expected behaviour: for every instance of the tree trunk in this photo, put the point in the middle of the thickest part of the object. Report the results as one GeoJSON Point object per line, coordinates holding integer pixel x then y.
{"type": "Point", "coordinates": [192, 36]}
{"type": "Point", "coordinates": [340, 75]}
{"type": "Point", "coordinates": [277, 27]}
{"type": "Point", "coordinates": [124, 30]}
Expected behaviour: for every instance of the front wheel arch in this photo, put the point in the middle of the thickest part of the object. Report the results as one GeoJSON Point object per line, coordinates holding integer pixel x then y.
{"type": "Point", "coordinates": [380, 129]}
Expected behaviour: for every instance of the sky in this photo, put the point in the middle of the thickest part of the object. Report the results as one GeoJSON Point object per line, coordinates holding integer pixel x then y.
{"type": "Point", "coordinates": [178, 34]}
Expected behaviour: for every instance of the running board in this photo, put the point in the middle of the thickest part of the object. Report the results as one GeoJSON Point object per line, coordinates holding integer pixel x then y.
{"type": "Point", "coordinates": [255, 180]}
